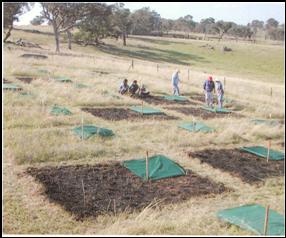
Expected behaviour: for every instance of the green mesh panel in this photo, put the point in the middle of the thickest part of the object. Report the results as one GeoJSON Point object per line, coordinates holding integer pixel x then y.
{"type": "Point", "coordinates": [90, 130]}
{"type": "Point", "coordinates": [56, 110]}
{"type": "Point", "coordinates": [262, 152]}
{"type": "Point", "coordinates": [195, 127]}
{"type": "Point", "coordinates": [251, 217]}
{"type": "Point", "coordinates": [159, 166]}
{"type": "Point", "coordinates": [146, 110]}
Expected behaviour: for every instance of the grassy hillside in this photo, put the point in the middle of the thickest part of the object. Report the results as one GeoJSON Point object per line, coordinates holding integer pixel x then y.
{"type": "Point", "coordinates": [33, 137]}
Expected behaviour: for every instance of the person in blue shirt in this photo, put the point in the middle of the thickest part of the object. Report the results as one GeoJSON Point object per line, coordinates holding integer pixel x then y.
{"type": "Point", "coordinates": [175, 82]}
{"type": "Point", "coordinates": [219, 92]}
{"type": "Point", "coordinates": [124, 87]}
{"type": "Point", "coordinates": [209, 88]}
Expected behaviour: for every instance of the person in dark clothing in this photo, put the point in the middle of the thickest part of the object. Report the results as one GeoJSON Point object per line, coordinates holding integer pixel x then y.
{"type": "Point", "coordinates": [134, 88]}
{"type": "Point", "coordinates": [143, 91]}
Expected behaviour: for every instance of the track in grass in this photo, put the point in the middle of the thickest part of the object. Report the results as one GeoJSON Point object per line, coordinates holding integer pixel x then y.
{"type": "Point", "coordinates": [117, 114]}
{"type": "Point", "coordinates": [249, 168]}
{"type": "Point", "coordinates": [111, 188]}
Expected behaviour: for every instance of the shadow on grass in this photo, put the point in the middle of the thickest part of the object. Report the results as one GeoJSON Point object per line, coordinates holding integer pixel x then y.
{"type": "Point", "coordinates": [153, 54]}
{"type": "Point", "coordinates": [156, 41]}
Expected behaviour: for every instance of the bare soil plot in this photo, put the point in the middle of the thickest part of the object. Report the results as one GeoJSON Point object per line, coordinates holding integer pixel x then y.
{"type": "Point", "coordinates": [25, 79]}
{"type": "Point", "coordinates": [87, 190]}
{"type": "Point", "coordinates": [116, 114]}
{"type": "Point", "coordinates": [199, 112]}
{"type": "Point", "coordinates": [36, 56]}
{"type": "Point", "coordinates": [249, 168]}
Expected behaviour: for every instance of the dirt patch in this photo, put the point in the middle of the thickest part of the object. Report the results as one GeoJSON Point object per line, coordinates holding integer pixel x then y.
{"type": "Point", "coordinates": [111, 188]}
{"type": "Point", "coordinates": [25, 79]}
{"type": "Point", "coordinates": [116, 114]}
{"type": "Point", "coordinates": [199, 112]}
{"type": "Point", "coordinates": [6, 81]}
{"type": "Point", "coordinates": [100, 72]}
{"type": "Point", "coordinates": [159, 100]}
{"type": "Point", "coordinates": [36, 56]}
{"type": "Point", "coordinates": [249, 168]}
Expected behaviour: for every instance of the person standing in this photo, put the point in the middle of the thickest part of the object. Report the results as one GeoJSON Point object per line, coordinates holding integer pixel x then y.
{"type": "Point", "coordinates": [209, 88]}
{"type": "Point", "coordinates": [220, 92]}
{"type": "Point", "coordinates": [175, 82]}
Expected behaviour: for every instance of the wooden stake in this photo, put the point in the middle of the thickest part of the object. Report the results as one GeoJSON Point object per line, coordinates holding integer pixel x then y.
{"type": "Point", "coordinates": [83, 192]}
{"type": "Point", "coordinates": [188, 74]}
{"type": "Point", "coordinates": [142, 107]}
{"type": "Point", "coordinates": [268, 152]}
{"type": "Point", "coordinates": [132, 64]}
{"type": "Point", "coordinates": [271, 92]}
{"type": "Point", "coordinates": [147, 166]}
{"type": "Point", "coordinates": [81, 127]}
{"type": "Point", "coordinates": [266, 219]}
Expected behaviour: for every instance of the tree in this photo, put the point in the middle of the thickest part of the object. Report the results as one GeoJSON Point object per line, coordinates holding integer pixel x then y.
{"type": "Point", "coordinates": [255, 26]}
{"type": "Point", "coordinates": [206, 25]}
{"type": "Point", "coordinates": [11, 13]}
{"type": "Point", "coordinates": [222, 27]}
{"type": "Point", "coordinates": [97, 23]}
{"type": "Point", "coordinates": [121, 20]}
{"type": "Point", "coordinates": [144, 21]}
{"type": "Point", "coordinates": [63, 17]}
{"type": "Point", "coordinates": [271, 27]}
{"type": "Point", "coordinates": [38, 20]}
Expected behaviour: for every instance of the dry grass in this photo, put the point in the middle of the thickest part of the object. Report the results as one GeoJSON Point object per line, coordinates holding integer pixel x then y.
{"type": "Point", "coordinates": [34, 137]}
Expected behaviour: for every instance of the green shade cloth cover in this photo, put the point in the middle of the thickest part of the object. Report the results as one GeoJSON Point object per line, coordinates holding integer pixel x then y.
{"type": "Point", "coordinates": [195, 127]}
{"type": "Point", "coordinates": [217, 110]}
{"type": "Point", "coordinates": [44, 71]}
{"type": "Point", "coordinates": [80, 85]}
{"type": "Point", "coordinates": [226, 100]}
{"type": "Point", "coordinates": [174, 98]}
{"type": "Point", "coordinates": [262, 152]}
{"type": "Point", "coordinates": [159, 166]}
{"type": "Point", "coordinates": [63, 79]}
{"type": "Point", "coordinates": [146, 110]}
{"type": "Point", "coordinates": [90, 130]}
{"type": "Point", "coordinates": [56, 110]}
{"type": "Point", "coordinates": [251, 217]}
{"type": "Point", "coordinates": [267, 122]}
{"type": "Point", "coordinates": [25, 94]}
{"type": "Point", "coordinates": [10, 86]}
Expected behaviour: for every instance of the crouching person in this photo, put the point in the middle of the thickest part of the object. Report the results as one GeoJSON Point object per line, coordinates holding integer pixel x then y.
{"type": "Point", "coordinates": [143, 91]}
{"type": "Point", "coordinates": [124, 87]}
{"type": "Point", "coordinates": [134, 88]}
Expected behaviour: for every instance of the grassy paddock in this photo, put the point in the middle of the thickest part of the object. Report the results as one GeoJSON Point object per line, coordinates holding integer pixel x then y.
{"type": "Point", "coordinates": [33, 137]}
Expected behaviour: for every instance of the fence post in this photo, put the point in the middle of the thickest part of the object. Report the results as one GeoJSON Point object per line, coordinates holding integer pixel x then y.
{"type": "Point", "coordinates": [266, 220]}
{"type": "Point", "coordinates": [147, 166]}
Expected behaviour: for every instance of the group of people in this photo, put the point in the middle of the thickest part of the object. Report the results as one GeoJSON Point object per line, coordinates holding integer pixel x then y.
{"type": "Point", "coordinates": [133, 89]}
{"type": "Point", "coordinates": [209, 87]}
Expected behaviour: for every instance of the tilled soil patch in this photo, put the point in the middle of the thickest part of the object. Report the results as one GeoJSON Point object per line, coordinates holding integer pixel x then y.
{"type": "Point", "coordinates": [199, 112]}
{"type": "Point", "coordinates": [116, 114]}
{"type": "Point", "coordinates": [25, 79]}
{"type": "Point", "coordinates": [248, 167]}
{"type": "Point", "coordinates": [111, 188]}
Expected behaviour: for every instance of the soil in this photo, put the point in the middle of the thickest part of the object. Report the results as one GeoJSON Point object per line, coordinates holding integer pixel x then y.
{"type": "Point", "coordinates": [248, 167]}
{"type": "Point", "coordinates": [116, 114]}
{"type": "Point", "coordinates": [110, 188]}
{"type": "Point", "coordinates": [199, 112]}
{"type": "Point", "coordinates": [6, 81]}
{"type": "Point", "coordinates": [37, 56]}
{"type": "Point", "coordinates": [25, 79]}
